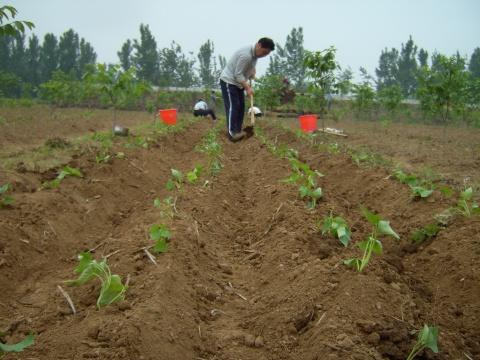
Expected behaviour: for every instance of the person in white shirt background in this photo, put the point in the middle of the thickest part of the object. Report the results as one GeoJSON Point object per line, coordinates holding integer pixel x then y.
{"type": "Point", "coordinates": [201, 109]}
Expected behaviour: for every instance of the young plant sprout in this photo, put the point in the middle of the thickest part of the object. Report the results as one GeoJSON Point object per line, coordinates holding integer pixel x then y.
{"type": "Point", "coordinates": [427, 232]}
{"type": "Point", "coordinates": [18, 347]}
{"type": "Point", "coordinates": [5, 200]}
{"type": "Point", "coordinates": [167, 206]}
{"type": "Point", "coordinates": [427, 338]}
{"type": "Point", "coordinates": [372, 244]}
{"type": "Point", "coordinates": [175, 181]}
{"type": "Point", "coordinates": [194, 175]}
{"type": "Point", "coordinates": [337, 227]}
{"type": "Point", "coordinates": [88, 268]}
{"type": "Point", "coordinates": [65, 172]}
{"type": "Point", "coordinates": [160, 234]}
{"type": "Point", "coordinates": [420, 191]}
{"type": "Point", "coordinates": [466, 206]}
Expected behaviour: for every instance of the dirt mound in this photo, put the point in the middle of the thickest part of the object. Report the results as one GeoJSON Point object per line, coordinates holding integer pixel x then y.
{"type": "Point", "coordinates": [247, 274]}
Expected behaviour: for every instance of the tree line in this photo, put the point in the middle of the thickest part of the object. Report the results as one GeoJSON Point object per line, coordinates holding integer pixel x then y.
{"type": "Point", "coordinates": [25, 64]}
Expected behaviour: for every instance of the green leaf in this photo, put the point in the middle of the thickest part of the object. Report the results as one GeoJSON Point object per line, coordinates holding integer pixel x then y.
{"type": "Point", "coordinates": [353, 263]}
{"type": "Point", "coordinates": [421, 191]}
{"type": "Point", "coordinates": [446, 191]}
{"type": "Point", "coordinates": [384, 228]}
{"type": "Point", "coordinates": [4, 188]}
{"type": "Point", "coordinates": [157, 203]}
{"type": "Point", "coordinates": [161, 246]}
{"type": "Point", "coordinates": [343, 235]}
{"type": "Point", "coordinates": [178, 176]}
{"type": "Point", "coordinates": [67, 170]}
{"type": "Point", "coordinates": [466, 194]}
{"type": "Point", "coordinates": [317, 193]}
{"type": "Point", "coordinates": [18, 347]}
{"type": "Point", "coordinates": [158, 232]}
{"type": "Point", "coordinates": [371, 217]}
{"type": "Point", "coordinates": [377, 247]}
{"type": "Point", "coordinates": [112, 290]}
{"type": "Point", "coordinates": [85, 259]}
{"type": "Point", "coordinates": [170, 185]}
{"type": "Point", "coordinates": [428, 337]}
{"type": "Point", "coordinates": [303, 191]}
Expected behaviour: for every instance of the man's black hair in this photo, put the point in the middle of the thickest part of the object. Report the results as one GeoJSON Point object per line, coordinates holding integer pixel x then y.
{"type": "Point", "coordinates": [267, 43]}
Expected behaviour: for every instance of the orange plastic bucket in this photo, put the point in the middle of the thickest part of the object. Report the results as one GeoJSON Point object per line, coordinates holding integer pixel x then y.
{"type": "Point", "coordinates": [308, 123]}
{"type": "Point", "coordinates": [168, 116]}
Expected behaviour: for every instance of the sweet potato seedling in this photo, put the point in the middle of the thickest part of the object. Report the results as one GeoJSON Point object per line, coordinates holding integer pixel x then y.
{"type": "Point", "coordinates": [337, 227]}
{"type": "Point", "coordinates": [160, 234]}
{"type": "Point", "coordinates": [372, 244]}
{"type": "Point", "coordinates": [194, 175]}
{"type": "Point", "coordinates": [167, 206]}
{"type": "Point", "coordinates": [88, 268]}
{"type": "Point", "coordinates": [420, 191]}
{"type": "Point", "coordinates": [427, 338]}
{"type": "Point", "coordinates": [427, 232]}
{"type": "Point", "coordinates": [5, 200]}
{"type": "Point", "coordinates": [65, 172]}
{"type": "Point", "coordinates": [175, 181]}
{"type": "Point", "coordinates": [18, 347]}
{"type": "Point", "coordinates": [466, 206]}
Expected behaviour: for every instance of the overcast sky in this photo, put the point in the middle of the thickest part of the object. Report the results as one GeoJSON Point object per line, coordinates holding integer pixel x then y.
{"type": "Point", "coordinates": [359, 29]}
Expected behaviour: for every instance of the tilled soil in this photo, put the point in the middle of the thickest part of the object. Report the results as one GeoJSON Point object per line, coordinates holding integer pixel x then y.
{"type": "Point", "coordinates": [247, 274]}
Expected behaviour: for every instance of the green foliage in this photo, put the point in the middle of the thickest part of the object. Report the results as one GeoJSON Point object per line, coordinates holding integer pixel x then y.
{"type": "Point", "coordinates": [390, 97]}
{"type": "Point", "coordinates": [267, 93]}
{"type": "Point", "coordinates": [420, 191]}
{"type": "Point", "coordinates": [5, 200]}
{"type": "Point", "coordinates": [14, 27]}
{"type": "Point", "coordinates": [372, 244]}
{"type": "Point", "coordinates": [466, 204]}
{"type": "Point", "coordinates": [306, 179]}
{"type": "Point", "coordinates": [103, 157]}
{"type": "Point", "coordinates": [427, 232]}
{"type": "Point", "coordinates": [88, 268]}
{"type": "Point", "coordinates": [440, 87]}
{"type": "Point", "coordinates": [194, 175]}
{"type": "Point", "coordinates": [160, 234]}
{"type": "Point", "coordinates": [176, 180]}
{"type": "Point", "coordinates": [213, 149]}
{"type": "Point", "coordinates": [337, 227]}
{"type": "Point", "coordinates": [364, 102]}
{"type": "Point", "coordinates": [427, 338]}
{"type": "Point", "coordinates": [18, 347]}
{"type": "Point", "coordinates": [65, 172]}
{"type": "Point", "coordinates": [408, 179]}
{"type": "Point", "coordinates": [167, 206]}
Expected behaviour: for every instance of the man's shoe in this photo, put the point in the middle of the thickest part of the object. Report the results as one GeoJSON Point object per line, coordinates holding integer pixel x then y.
{"type": "Point", "coordinates": [238, 136]}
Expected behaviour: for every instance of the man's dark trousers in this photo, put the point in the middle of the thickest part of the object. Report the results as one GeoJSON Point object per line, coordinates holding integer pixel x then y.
{"type": "Point", "coordinates": [234, 100]}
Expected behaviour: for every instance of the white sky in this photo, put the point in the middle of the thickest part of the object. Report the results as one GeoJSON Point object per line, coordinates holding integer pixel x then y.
{"type": "Point", "coordinates": [359, 29]}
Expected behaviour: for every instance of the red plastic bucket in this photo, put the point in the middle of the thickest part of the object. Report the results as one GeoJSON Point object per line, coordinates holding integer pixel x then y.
{"type": "Point", "coordinates": [308, 123]}
{"type": "Point", "coordinates": [168, 116]}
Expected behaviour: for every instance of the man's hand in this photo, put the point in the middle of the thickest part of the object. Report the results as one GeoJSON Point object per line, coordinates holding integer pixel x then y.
{"type": "Point", "coordinates": [249, 90]}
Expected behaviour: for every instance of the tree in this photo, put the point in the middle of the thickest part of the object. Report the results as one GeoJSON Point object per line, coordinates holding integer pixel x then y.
{"type": "Point", "coordinates": [6, 43]}
{"type": "Point", "coordinates": [48, 57]}
{"type": "Point", "coordinates": [422, 58]}
{"type": "Point", "coordinates": [206, 60]}
{"type": "Point", "coordinates": [320, 68]}
{"type": "Point", "coordinates": [68, 52]}
{"type": "Point", "coordinates": [288, 61]}
{"type": "Point", "coordinates": [440, 86]}
{"type": "Point", "coordinates": [390, 97]}
{"type": "Point", "coordinates": [146, 57]}
{"type": "Point", "coordinates": [17, 56]}
{"type": "Point", "coordinates": [86, 57]}
{"type": "Point", "coordinates": [294, 54]}
{"type": "Point", "coordinates": [14, 27]}
{"type": "Point", "coordinates": [387, 71]}
{"type": "Point", "coordinates": [10, 84]}
{"type": "Point", "coordinates": [33, 61]}
{"type": "Point", "coordinates": [125, 55]}
{"type": "Point", "coordinates": [185, 72]}
{"type": "Point", "coordinates": [267, 91]}
{"type": "Point", "coordinates": [345, 81]}
{"type": "Point", "coordinates": [474, 64]}
{"type": "Point", "coordinates": [407, 68]}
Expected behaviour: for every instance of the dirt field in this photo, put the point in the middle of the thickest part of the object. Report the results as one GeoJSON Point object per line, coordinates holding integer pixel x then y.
{"type": "Point", "coordinates": [247, 274]}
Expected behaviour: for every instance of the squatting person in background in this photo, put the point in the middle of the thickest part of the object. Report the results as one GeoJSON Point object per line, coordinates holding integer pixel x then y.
{"type": "Point", "coordinates": [234, 81]}
{"type": "Point", "coordinates": [201, 109]}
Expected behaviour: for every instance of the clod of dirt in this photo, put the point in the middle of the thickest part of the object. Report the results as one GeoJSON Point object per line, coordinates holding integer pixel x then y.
{"type": "Point", "coordinates": [249, 340]}
{"type": "Point", "coordinates": [227, 269]}
{"type": "Point", "coordinates": [373, 338]}
{"type": "Point", "coordinates": [93, 332]}
{"type": "Point", "coordinates": [259, 342]}
{"type": "Point", "coordinates": [302, 319]}
{"type": "Point", "coordinates": [344, 342]}
{"type": "Point", "coordinates": [324, 251]}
